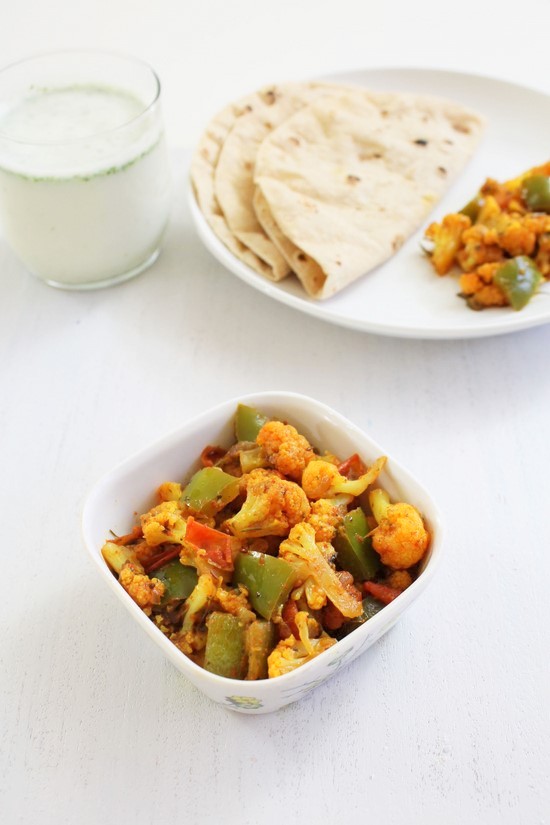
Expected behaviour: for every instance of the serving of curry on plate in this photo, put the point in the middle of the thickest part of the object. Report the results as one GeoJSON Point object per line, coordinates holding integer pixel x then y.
{"type": "Point", "coordinates": [500, 240]}
{"type": "Point", "coordinates": [270, 553]}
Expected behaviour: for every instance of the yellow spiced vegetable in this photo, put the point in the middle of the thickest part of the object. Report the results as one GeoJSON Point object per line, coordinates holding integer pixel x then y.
{"type": "Point", "coordinates": [321, 479]}
{"type": "Point", "coordinates": [400, 538]}
{"type": "Point", "coordinates": [500, 241]}
{"type": "Point", "coordinates": [273, 505]}
{"type": "Point", "coordinates": [286, 450]}
{"type": "Point", "coordinates": [243, 566]}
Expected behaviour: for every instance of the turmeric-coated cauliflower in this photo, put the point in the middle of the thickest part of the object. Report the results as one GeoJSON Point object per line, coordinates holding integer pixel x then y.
{"type": "Point", "coordinates": [291, 653]}
{"type": "Point", "coordinates": [286, 450]}
{"type": "Point", "coordinates": [479, 288]}
{"type": "Point", "coordinates": [322, 479]}
{"type": "Point", "coordinates": [446, 238]}
{"type": "Point", "coordinates": [144, 591]}
{"type": "Point", "coordinates": [235, 601]}
{"type": "Point", "coordinates": [273, 505]}
{"type": "Point", "coordinates": [401, 538]}
{"type": "Point", "coordinates": [326, 514]}
{"type": "Point", "coordinates": [163, 524]}
{"type": "Point", "coordinates": [170, 491]}
{"type": "Point", "coordinates": [302, 547]}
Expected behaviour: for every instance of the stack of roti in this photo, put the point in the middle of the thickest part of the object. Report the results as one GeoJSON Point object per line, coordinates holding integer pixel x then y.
{"type": "Point", "coordinates": [327, 181]}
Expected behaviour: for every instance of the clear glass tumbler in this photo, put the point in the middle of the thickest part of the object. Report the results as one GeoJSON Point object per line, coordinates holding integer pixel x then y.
{"type": "Point", "coordinates": [84, 173]}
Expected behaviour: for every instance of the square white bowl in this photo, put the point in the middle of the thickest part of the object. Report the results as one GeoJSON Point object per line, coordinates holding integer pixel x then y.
{"type": "Point", "coordinates": [130, 488]}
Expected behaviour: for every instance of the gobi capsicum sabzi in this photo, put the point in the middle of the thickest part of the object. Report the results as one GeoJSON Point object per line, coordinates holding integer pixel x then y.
{"type": "Point", "coordinates": [500, 240]}
{"type": "Point", "coordinates": [270, 553]}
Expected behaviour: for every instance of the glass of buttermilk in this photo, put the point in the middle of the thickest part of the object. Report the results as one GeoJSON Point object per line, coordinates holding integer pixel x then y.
{"type": "Point", "coordinates": [84, 173]}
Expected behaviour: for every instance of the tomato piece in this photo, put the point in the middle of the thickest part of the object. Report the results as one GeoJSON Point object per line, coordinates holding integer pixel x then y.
{"type": "Point", "coordinates": [381, 592]}
{"type": "Point", "coordinates": [216, 545]}
{"type": "Point", "coordinates": [352, 467]}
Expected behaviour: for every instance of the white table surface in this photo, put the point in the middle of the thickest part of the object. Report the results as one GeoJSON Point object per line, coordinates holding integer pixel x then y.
{"type": "Point", "coordinates": [445, 720]}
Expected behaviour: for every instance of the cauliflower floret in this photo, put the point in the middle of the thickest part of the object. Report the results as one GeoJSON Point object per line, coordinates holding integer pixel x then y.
{"type": "Point", "coordinates": [290, 653]}
{"type": "Point", "coordinates": [170, 491]}
{"type": "Point", "coordinates": [286, 450]}
{"type": "Point", "coordinates": [236, 602]}
{"type": "Point", "coordinates": [400, 538]}
{"type": "Point", "coordinates": [301, 546]}
{"type": "Point", "coordinates": [198, 602]}
{"type": "Point", "coordinates": [273, 505]}
{"type": "Point", "coordinates": [144, 591]}
{"type": "Point", "coordinates": [399, 580]}
{"type": "Point", "coordinates": [542, 259]}
{"type": "Point", "coordinates": [480, 245]}
{"type": "Point", "coordinates": [479, 288]}
{"type": "Point", "coordinates": [326, 514]}
{"type": "Point", "coordinates": [447, 238]}
{"type": "Point", "coordinates": [117, 555]}
{"type": "Point", "coordinates": [163, 524]}
{"type": "Point", "coordinates": [322, 479]}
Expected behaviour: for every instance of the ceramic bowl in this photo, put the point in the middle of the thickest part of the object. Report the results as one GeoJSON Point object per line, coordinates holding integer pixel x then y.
{"type": "Point", "coordinates": [129, 488]}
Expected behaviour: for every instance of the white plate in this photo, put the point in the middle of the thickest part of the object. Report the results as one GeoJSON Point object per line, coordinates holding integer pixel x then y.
{"type": "Point", "coordinates": [403, 297]}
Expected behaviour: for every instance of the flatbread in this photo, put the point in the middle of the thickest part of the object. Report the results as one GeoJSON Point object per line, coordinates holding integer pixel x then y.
{"type": "Point", "coordinates": [202, 171]}
{"type": "Point", "coordinates": [298, 261]}
{"type": "Point", "coordinates": [350, 176]}
{"type": "Point", "coordinates": [234, 168]}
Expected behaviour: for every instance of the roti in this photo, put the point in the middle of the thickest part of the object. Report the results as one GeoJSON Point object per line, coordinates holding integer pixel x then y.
{"type": "Point", "coordinates": [348, 178]}
{"type": "Point", "coordinates": [234, 167]}
{"type": "Point", "coordinates": [203, 166]}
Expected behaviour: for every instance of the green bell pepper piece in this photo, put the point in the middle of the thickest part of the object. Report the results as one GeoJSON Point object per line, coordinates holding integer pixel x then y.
{"type": "Point", "coordinates": [268, 580]}
{"type": "Point", "coordinates": [209, 490]}
{"type": "Point", "coordinates": [354, 551]}
{"type": "Point", "coordinates": [535, 191]}
{"type": "Point", "coordinates": [472, 209]}
{"type": "Point", "coordinates": [248, 423]}
{"type": "Point", "coordinates": [178, 579]}
{"type": "Point", "coordinates": [261, 638]}
{"type": "Point", "coordinates": [225, 652]}
{"type": "Point", "coordinates": [519, 279]}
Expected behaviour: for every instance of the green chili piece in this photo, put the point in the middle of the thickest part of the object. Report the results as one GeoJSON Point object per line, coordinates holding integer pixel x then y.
{"type": "Point", "coordinates": [260, 641]}
{"type": "Point", "coordinates": [209, 490]}
{"type": "Point", "coordinates": [519, 279]}
{"type": "Point", "coordinates": [225, 652]}
{"type": "Point", "coordinates": [535, 191]}
{"type": "Point", "coordinates": [248, 423]}
{"type": "Point", "coordinates": [179, 580]}
{"type": "Point", "coordinates": [268, 580]}
{"type": "Point", "coordinates": [354, 550]}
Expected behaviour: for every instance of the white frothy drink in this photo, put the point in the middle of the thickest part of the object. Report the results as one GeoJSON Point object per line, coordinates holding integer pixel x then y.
{"type": "Point", "coordinates": [84, 183]}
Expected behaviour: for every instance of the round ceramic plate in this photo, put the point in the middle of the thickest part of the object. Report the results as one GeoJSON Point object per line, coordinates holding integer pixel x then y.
{"type": "Point", "coordinates": [403, 297]}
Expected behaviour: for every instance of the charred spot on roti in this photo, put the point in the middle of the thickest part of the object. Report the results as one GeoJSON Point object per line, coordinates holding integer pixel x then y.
{"type": "Point", "coordinates": [270, 96]}
{"type": "Point", "coordinates": [397, 242]}
{"type": "Point", "coordinates": [461, 127]}
{"type": "Point", "coordinates": [301, 256]}
{"type": "Point", "coordinates": [353, 179]}
{"type": "Point", "coordinates": [294, 140]}
{"type": "Point", "coordinates": [366, 156]}
{"type": "Point", "coordinates": [442, 171]}
{"type": "Point", "coordinates": [421, 142]}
